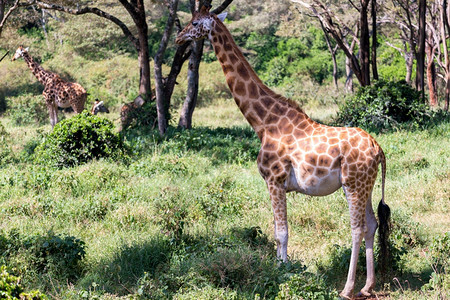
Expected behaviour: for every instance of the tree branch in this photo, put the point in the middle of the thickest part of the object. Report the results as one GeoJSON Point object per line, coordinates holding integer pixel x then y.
{"type": "Point", "coordinates": [16, 5]}
{"type": "Point", "coordinates": [92, 10]}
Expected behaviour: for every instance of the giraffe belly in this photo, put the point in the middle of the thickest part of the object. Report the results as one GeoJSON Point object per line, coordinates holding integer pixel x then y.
{"type": "Point", "coordinates": [313, 185]}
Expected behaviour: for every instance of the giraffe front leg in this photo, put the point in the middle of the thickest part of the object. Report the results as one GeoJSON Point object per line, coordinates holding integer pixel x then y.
{"type": "Point", "coordinates": [53, 113]}
{"type": "Point", "coordinates": [278, 199]}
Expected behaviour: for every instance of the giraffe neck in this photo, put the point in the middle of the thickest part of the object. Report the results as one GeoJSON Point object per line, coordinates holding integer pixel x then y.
{"type": "Point", "coordinates": [260, 105]}
{"type": "Point", "coordinates": [41, 74]}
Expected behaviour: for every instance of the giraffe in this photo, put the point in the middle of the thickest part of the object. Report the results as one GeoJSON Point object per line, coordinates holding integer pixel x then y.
{"type": "Point", "coordinates": [299, 154]}
{"type": "Point", "coordinates": [57, 92]}
{"type": "Point", "coordinates": [99, 107]}
{"type": "Point", "coordinates": [128, 109]}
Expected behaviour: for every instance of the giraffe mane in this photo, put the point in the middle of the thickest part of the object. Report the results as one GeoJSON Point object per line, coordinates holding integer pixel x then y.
{"type": "Point", "coordinates": [291, 103]}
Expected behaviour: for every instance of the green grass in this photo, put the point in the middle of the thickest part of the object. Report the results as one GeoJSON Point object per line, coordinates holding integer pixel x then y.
{"type": "Point", "coordinates": [188, 216]}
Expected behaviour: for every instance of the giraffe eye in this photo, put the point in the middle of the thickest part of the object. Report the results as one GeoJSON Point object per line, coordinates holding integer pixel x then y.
{"type": "Point", "coordinates": [195, 23]}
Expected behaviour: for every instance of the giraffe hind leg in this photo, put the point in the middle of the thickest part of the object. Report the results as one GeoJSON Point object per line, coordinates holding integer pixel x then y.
{"type": "Point", "coordinates": [357, 206]}
{"type": "Point", "coordinates": [371, 227]}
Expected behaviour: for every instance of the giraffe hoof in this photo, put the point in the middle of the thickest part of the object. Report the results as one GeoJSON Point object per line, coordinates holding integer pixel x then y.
{"type": "Point", "coordinates": [345, 295]}
{"type": "Point", "coordinates": [364, 293]}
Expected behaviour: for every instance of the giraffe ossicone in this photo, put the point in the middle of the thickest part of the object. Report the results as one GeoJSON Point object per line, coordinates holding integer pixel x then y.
{"type": "Point", "coordinates": [57, 92]}
{"type": "Point", "coordinates": [299, 154]}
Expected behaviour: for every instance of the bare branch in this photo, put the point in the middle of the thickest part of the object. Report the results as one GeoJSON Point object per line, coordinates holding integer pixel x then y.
{"type": "Point", "coordinates": [16, 5]}
{"type": "Point", "coordinates": [92, 10]}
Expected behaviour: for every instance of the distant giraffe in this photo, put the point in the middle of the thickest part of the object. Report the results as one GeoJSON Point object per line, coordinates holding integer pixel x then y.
{"type": "Point", "coordinates": [127, 111]}
{"type": "Point", "coordinates": [99, 107]}
{"type": "Point", "coordinates": [299, 154]}
{"type": "Point", "coordinates": [57, 92]}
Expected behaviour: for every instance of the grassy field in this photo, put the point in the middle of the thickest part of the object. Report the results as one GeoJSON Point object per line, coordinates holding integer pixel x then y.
{"type": "Point", "coordinates": [188, 217]}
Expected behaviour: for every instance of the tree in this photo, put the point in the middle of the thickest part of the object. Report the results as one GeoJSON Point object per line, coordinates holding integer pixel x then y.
{"type": "Point", "coordinates": [339, 30]}
{"type": "Point", "coordinates": [135, 9]}
{"type": "Point", "coordinates": [401, 14]}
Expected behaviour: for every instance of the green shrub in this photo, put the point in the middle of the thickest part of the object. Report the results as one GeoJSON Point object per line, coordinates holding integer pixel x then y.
{"type": "Point", "coordinates": [384, 105]}
{"type": "Point", "coordinates": [40, 257]}
{"type": "Point", "coordinates": [306, 286]}
{"type": "Point", "coordinates": [56, 254]}
{"type": "Point", "coordinates": [440, 261]}
{"type": "Point", "coordinates": [10, 288]}
{"type": "Point", "coordinates": [28, 109]}
{"type": "Point", "coordinates": [145, 116]}
{"type": "Point", "coordinates": [6, 153]}
{"type": "Point", "coordinates": [79, 139]}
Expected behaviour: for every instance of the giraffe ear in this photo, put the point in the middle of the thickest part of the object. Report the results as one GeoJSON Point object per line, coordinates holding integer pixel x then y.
{"type": "Point", "coordinates": [222, 16]}
{"type": "Point", "coordinates": [26, 49]}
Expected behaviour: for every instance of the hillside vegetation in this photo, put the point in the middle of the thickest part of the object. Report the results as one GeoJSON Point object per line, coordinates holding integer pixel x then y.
{"type": "Point", "coordinates": [187, 215]}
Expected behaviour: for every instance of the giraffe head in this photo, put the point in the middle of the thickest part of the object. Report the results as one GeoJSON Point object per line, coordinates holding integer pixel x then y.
{"type": "Point", "coordinates": [19, 53]}
{"type": "Point", "coordinates": [98, 106]}
{"type": "Point", "coordinates": [199, 27]}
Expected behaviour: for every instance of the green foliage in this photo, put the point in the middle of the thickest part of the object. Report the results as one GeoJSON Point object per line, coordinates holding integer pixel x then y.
{"type": "Point", "coordinates": [52, 255]}
{"type": "Point", "coordinates": [220, 144]}
{"type": "Point", "coordinates": [143, 117]}
{"type": "Point", "coordinates": [384, 105]}
{"type": "Point", "coordinates": [306, 286]}
{"type": "Point", "coordinates": [28, 109]}
{"type": "Point", "coordinates": [56, 254]}
{"type": "Point", "coordinates": [439, 252]}
{"type": "Point", "coordinates": [6, 153]}
{"type": "Point", "coordinates": [79, 139]}
{"type": "Point", "coordinates": [11, 289]}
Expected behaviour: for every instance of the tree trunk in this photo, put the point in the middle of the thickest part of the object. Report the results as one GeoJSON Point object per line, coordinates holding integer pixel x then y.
{"type": "Point", "coordinates": [145, 88]}
{"type": "Point", "coordinates": [409, 62]}
{"type": "Point", "coordinates": [420, 68]}
{"type": "Point", "coordinates": [364, 44]}
{"type": "Point", "coordinates": [162, 99]}
{"type": "Point", "coordinates": [374, 40]}
{"type": "Point", "coordinates": [192, 93]}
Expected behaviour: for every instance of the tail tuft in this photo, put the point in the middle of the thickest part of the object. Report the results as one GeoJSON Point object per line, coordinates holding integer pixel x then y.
{"type": "Point", "coordinates": [384, 213]}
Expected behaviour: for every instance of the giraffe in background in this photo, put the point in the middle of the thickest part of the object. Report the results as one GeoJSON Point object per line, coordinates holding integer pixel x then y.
{"type": "Point", "coordinates": [299, 154]}
{"type": "Point", "coordinates": [57, 92]}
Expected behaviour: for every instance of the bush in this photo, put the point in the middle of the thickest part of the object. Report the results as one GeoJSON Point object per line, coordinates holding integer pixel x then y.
{"type": "Point", "coordinates": [79, 139]}
{"type": "Point", "coordinates": [28, 109]}
{"type": "Point", "coordinates": [10, 288]}
{"type": "Point", "coordinates": [40, 257]}
{"type": "Point", "coordinates": [6, 153]}
{"type": "Point", "coordinates": [56, 254]}
{"type": "Point", "coordinates": [144, 116]}
{"type": "Point", "coordinates": [440, 261]}
{"type": "Point", "coordinates": [306, 286]}
{"type": "Point", "coordinates": [384, 105]}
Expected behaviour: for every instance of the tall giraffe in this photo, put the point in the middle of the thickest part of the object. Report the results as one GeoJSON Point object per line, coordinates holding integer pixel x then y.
{"type": "Point", "coordinates": [299, 154]}
{"type": "Point", "coordinates": [57, 92]}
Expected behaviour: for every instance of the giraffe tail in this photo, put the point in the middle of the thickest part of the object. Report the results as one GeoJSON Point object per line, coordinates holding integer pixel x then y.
{"type": "Point", "coordinates": [384, 213]}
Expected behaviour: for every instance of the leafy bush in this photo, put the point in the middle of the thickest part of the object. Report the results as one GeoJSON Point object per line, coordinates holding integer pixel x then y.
{"type": "Point", "coordinates": [384, 105]}
{"type": "Point", "coordinates": [28, 109]}
{"type": "Point", "coordinates": [6, 153]}
{"type": "Point", "coordinates": [56, 254]}
{"type": "Point", "coordinates": [79, 139]}
{"type": "Point", "coordinates": [10, 288]}
{"type": "Point", "coordinates": [440, 261]}
{"type": "Point", "coordinates": [53, 255]}
{"type": "Point", "coordinates": [144, 116]}
{"type": "Point", "coordinates": [306, 286]}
